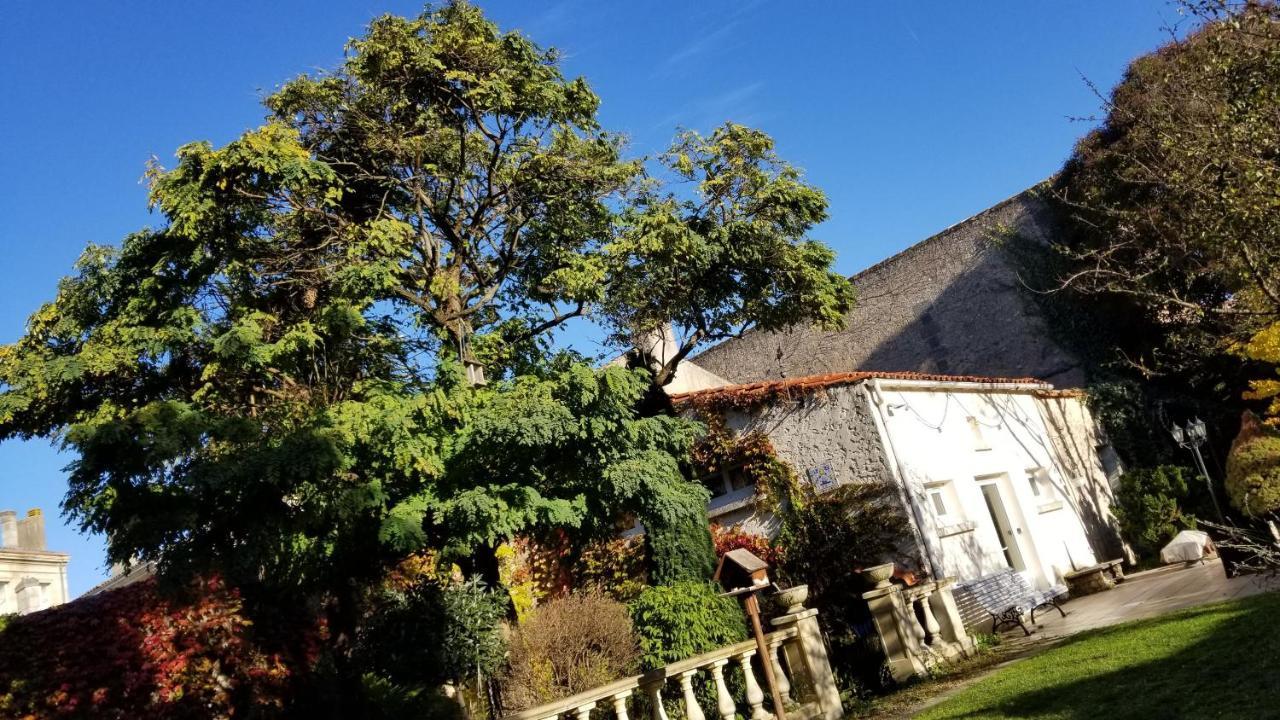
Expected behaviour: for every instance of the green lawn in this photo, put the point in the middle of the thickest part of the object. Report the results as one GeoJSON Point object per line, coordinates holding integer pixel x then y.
{"type": "Point", "coordinates": [1215, 661]}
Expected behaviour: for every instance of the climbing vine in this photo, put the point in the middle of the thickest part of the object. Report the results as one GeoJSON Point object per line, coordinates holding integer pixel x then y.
{"type": "Point", "coordinates": [753, 455]}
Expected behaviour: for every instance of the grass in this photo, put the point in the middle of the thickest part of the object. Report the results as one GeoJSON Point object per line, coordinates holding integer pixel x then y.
{"type": "Point", "coordinates": [1213, 661]}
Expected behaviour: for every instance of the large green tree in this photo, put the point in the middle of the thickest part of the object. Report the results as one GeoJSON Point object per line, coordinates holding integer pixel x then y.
{"type": "Point", "coordinates": [284, 381]}
{"type": "Point", "coordinates": [1174, 196]}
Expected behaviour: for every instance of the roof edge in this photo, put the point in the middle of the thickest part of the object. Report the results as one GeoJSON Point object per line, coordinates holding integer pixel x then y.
{"type": "Point", "coordinates": [747, 394]}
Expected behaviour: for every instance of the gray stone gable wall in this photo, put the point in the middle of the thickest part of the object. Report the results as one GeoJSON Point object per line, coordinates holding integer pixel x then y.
{"type": "Point", "coordinates": [952, 304]}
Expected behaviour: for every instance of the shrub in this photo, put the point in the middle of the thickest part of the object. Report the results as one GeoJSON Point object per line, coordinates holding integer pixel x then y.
{"type": "Point", "coordinates": [135, 652]}
{"type": "Point", "coordinates": [679, 621]}
{"type": "Point", "coordinates": [1253, 469]}
{"type": "Point", "coordinates": [828, 536]}
{"type": "Point", "coordinates": [566, 646]}
{"type": "Point", "coordinates": [1149, 504]}
{"type": "Point", "coordinates": [428, 634]}
{"type": "Point", "coordinates": [733, 538]}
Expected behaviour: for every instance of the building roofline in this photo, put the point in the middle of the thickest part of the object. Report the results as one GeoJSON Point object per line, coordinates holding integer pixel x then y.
{"type": "Point", "coordinates": [944, 232]}
{"type": "Point", "coordinates": [759, 392]}
{"type": "Point", "coordinates": [916, 246]}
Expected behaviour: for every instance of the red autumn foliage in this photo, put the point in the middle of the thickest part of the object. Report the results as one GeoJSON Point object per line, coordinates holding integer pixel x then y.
{"type": "Point", "coordinates": [732, 538]}
{"type": "Point", "coordinates": [135, 652]}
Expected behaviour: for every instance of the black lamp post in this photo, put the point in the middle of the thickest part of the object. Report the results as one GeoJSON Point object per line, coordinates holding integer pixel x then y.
{"type": "Point", "coordinates": [1192, 437]}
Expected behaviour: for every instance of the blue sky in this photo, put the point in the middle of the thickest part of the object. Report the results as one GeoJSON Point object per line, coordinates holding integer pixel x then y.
{"type": "Point", "coordinates": [911, 116]}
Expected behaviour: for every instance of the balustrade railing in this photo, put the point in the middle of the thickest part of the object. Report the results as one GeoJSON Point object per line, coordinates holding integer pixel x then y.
{"type": "Point", "coordinates": [796, 652]}
{"type": "Point", "coordinates": [918, 626]}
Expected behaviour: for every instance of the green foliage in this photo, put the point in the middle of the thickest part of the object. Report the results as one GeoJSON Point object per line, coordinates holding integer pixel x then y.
{"type": "Point", "coordinates": [567, 646]}
{"type": "Point", "coordinates": [675, 622]}
{"type": "Point", "coordinates": [732, 256]}
{"type": "Point", "coordinates": [426, 634]}
{"type": "Point", "coordinates": [1253, 470]}
{"type": "Point", "coordinates": [826, 538]}
{"type": "Point", "coordinates": [1150, 504]}
{"type": "Point", "coordinates": [279, 381]}
{"type": "Point", "coordinates": [1171, 199]}
{"type": "Point", "coordinates": [389, 701]}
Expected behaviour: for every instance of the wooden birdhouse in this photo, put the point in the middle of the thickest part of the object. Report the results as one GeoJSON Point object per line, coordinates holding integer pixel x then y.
{"type": "Point", "coordinates": [740, 570]}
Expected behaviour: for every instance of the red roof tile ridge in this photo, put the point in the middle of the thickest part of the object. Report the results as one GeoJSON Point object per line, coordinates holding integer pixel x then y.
{"type": "Point", "coordinates": [813, 382]}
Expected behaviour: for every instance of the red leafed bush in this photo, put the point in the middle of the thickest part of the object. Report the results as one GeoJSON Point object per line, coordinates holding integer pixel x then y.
{"type": "Point", "coordinates": [732, 538]}
{"type": "Point", "coordinates": [135, 652]}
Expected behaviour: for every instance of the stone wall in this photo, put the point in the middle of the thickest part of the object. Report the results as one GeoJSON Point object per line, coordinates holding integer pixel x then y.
{"type": "Point", "coordinates": [827, 434]}
{"type": "Point", "coordinates": [1090, 464]}
{"type": "Point", "coordinates": [952, 304]}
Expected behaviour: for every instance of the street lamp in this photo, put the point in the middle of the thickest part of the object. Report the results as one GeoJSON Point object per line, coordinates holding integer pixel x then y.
{"type": "Point", "coordinates": [1192, 437]}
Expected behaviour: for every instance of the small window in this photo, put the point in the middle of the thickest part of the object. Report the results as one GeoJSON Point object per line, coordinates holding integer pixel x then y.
{"type": "Point", "coordinates": [939, 504]}
{"type": "Point", "coordinates": [979, 440]}
{"type": "Point", "coordinates": [1041, 486]}
{"type": "Point", "coordinates": [726, 481]}
{"type": "Point", "coordinates": [944, 502]}
{"type": "Point", "coordinates": [714, 484]}
{"type": "Point", "coordinates": [738, 479]}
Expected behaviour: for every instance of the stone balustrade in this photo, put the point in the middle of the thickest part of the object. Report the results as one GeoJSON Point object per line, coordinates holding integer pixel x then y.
{"type": "Point", "coordinates": [800, 667]}
{"type": "Point", "coordinates": [918, 626]}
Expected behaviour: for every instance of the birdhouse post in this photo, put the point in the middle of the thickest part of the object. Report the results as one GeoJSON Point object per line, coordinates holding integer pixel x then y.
{"type": "Point", "coordinates": [743, 574]}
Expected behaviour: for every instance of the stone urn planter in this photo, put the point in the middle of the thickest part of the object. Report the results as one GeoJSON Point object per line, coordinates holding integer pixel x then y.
{"type": "Point", "coordinates": [791, 599]}
{"type": "Point", "coordinates": [878, 575]}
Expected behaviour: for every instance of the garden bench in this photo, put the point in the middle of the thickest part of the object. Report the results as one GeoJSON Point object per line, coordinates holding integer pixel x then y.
{"type": "Point", "coordinates": [1006, 596]}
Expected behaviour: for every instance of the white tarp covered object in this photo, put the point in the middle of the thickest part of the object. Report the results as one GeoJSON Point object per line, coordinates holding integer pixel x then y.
{"type": "Point", "coordinates": [1187, 546]}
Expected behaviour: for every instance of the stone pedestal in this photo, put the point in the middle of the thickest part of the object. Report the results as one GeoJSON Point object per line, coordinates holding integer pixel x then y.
{"type": "Point", "coordinates": [896, 623]}
{"type": "Point", "coordinates": [812, 654]}
{"type": "Point", "coordinates": [910, 641]}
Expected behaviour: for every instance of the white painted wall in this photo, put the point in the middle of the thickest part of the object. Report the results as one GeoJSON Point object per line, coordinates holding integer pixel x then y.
{"type": "Point", "coordinates": [19, 567]}
{"type": "Point", "coordinates": [930, 433]}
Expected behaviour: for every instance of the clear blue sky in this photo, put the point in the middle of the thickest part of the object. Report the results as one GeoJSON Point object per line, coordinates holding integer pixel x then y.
{"type": "Point", "coordinates": [911, 116]}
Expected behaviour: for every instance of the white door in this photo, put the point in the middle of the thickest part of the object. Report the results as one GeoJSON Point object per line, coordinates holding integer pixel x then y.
{"type": "Point", "coordinates": [1006, 532]}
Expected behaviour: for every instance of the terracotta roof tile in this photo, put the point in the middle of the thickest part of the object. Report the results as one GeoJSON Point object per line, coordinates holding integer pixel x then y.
{"type": "Point", "coordinates": [760, 392]}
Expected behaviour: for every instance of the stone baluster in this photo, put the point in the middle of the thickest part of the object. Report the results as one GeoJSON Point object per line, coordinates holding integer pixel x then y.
{"type": "Point", "coordinates": [931, 626]}
{"type": "Point", "coordinates": [914, 627]}
{"type": "Point", "coordinates": [620, 705]}
{"type": "Point", "coordinates": [724, 701]}
{"type": "Point", "coordinates": [780, 677]}
{"type": "Point", "coordinates": [654, 691]}
{"type": "Point", "coordinates": [692, 711]}
{"type": "Point", "coordinates": [943, 604]}
{"type": "Point", "coordinates": [755, 696]}
{"type": "Point", "coordinates": [584, 711]}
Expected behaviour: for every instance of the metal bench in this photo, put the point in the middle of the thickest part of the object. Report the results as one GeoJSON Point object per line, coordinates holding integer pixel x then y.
{"type": "Point", "coordinates": [1006, 597]}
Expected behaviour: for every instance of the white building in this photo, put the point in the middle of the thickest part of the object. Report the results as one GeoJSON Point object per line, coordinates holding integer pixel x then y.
{"type": "Point", "coordinates": [994, 472]}
{"type": "Point", "coordinates": [32, 577]}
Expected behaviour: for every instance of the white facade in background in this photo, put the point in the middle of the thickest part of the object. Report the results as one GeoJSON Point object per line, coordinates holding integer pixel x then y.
{"type": "Point", "coordinates": [988, 489]}
{"type": "Point", "coordinates": [32, 577]}
{"type": "Point", "coordinates": [994, 473]}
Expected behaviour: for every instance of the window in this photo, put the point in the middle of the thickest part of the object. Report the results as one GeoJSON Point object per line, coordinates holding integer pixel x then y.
{"type": "Point", "coordinates": [944, 502]}
{"type": "Point", "coordinates": [939, 505]}
{"type": "Point", "coordinates": [1041, 485]}
{"type": "Point", "coordinates": [726, 481]}
{"type": "Point", "coordinates": [979, 441]}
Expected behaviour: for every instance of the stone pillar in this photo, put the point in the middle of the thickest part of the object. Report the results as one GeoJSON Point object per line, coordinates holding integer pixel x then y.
{"type": "Point", "coordinates": [813, 655]}
{"type": "Point", "coordinates": [31, 530]}
{"type": "Point", "coordinates": [900, 634]}
{"type": "Point", "coordinates": [8, 529]}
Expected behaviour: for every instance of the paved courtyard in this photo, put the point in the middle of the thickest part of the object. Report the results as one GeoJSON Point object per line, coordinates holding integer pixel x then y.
{"type": "Point", "coordinates": [1147, 594]}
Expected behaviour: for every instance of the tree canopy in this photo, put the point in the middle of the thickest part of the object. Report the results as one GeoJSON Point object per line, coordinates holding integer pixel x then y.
{"type": "Point", "coordinates": [338, 347]}
{"type": "Point", "coordinates": [1174, 196]}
